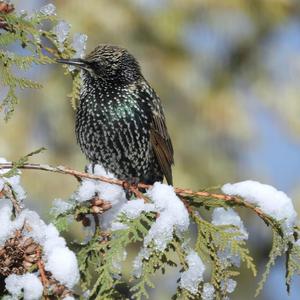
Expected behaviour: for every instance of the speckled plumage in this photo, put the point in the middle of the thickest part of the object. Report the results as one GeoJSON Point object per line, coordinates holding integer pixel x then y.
{"type": "Point", "coordinates": [120, 122]}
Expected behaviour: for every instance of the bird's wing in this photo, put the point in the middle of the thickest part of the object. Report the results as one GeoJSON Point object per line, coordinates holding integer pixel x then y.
{"type": "Point", "coordinates": [161, 143]}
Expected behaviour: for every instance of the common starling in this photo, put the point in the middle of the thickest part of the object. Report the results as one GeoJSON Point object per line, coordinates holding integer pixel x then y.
{"type": "Point", "coordinates": [120, 122]}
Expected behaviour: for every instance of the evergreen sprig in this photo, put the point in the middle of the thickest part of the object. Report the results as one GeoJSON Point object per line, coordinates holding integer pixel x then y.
{"type": "Point", "coordinates": [212, 240]}
{"type": "Point", "coordinates": [38, 45]}
{"type": "Point", "coordinates": [292, 262]}
{"type": "Point", "coordinates": [219, 246]}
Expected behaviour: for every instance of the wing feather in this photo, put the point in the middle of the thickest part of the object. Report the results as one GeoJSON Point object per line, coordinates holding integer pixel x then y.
{"type": "Point", "coordinates": [162, 145]}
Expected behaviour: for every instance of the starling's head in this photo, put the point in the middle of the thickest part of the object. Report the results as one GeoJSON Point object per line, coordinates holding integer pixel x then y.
{"type": "Point", "coordinates": [108, 63]}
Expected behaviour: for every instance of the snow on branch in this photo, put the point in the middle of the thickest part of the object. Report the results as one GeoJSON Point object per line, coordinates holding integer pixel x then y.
{"type": "Point", "coordinates": [179, 191]}
{"type": "Point", "coordinates": [159, 218]}
{"type": "Point", "coordinates": [34, 258]}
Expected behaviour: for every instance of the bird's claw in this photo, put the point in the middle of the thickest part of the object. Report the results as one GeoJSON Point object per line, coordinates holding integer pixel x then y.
{"type": "Point", "coordinates": [129, 186]}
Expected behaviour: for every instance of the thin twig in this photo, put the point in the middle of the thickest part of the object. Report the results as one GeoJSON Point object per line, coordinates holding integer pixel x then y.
{"type": "Point", "coordinates": [7, 191]}
{"type": "Point", "coordinates": [41, 267]}
{"type": "Point", "coordinates": [5, 8]}
{"type": "Point", "coordinates": [179, 191]}
{"type": "Point", "coordinates": [96, 219]}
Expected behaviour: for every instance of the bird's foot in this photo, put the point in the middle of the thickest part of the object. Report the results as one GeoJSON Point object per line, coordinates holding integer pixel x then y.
{"type": "Point", "coordinates": [130, 187]}
{"type": "Point", "coordinates": [86, 168]}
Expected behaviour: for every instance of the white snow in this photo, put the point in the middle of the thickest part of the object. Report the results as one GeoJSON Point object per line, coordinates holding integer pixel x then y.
{"type": "Point", "coordinates": [191, 278]}
{"type": "Point", "coordinates": [61, 30]}
{"type": "Point", "coordinates": [133, 208]}
{"type": "Point", "coordinates": [52, 239]}
{"type": "Point", "coordinates": [161, 232]}
{"type": "Point", "coordinates": [1, 184]}
{"type": "Point", "coordinates": [109, 192]}
{"type": "Point", "coordinates": [59, 260]}
{"type": "Point", "coordinates": [28, 283]}
{"type": "Point", "coordinates": [13, 181]}
{"type": "Point", "coordinates": [79, 44]}
{"type": "Point", "coordinates": [138, 262]}
{"type": "Point", "coordinates": [118, 226]}
{"type": "Point", "coordinates": [60, 206]}
{"type": "Point", "coordinates": [69, 298]}
{"type": "Point", "coordinates": [222, 216]}
{"type": "Point", "coordinates": [48, 10]}
{"type": "Point", "coordinates": [173, 216]}
{"type": "Point", "coordinates": [87, 190]}
{"type": "Point", "coordinates": [227, 258]}
{"type": "Point", "coordinates": [117, 263]}
{"type": "Point", "coordinates": [6, 228]}
{"type": "Point", "coordinates": [86, 294]}
{"type": "Point", "coordinates": [271, 201]}
{"type": "Point", "coordinates": [229, 286]}
{"type": "Point", "coordinates": [208, 292]}
{"type": "Point", "coordinates": [62, 263]}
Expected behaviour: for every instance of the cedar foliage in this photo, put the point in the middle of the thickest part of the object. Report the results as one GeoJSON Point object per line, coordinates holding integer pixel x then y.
{"type": "Point", "coordinates": [33, 34]}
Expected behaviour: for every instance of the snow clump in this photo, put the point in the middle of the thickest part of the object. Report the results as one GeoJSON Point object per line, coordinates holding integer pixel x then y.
{"type": "Point", "coordinates": [222, 216]}
{"type": "Point", "coordinates": [271, 201]}
{"type": "Point", "coordinates": [173, 216]}
{"type": "Point", "coordinates": [208, 292]}
{"type": "Point", "coordinates": [61, 30]}
{"type": "Point", "coordinates": [28, 284]}
{"type": "Point", "coordinates": [58, 258]}
{"type": "Point", "coordinates": [48, 10]}
{"type": "Point", "coordinates": [13, 181]}
{"type": "Point", "coordinates": [113, 193]}
{"type": "Point", "coordinates": [191, 278]}
{"type": "Point", "coordinates": [79, 44]}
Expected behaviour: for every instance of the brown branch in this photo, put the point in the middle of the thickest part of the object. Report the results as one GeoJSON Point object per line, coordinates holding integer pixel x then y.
{"type": "Point", "coordinates": [41, 267]}
{"type": "Point", "coordinates": [179, 191]}
{"type": "Point", "coordinates": [235, 199]}
{"type": "Point", "coordinates": [5, 8]}
{"type": "Point", "coordinates": [7, 192]}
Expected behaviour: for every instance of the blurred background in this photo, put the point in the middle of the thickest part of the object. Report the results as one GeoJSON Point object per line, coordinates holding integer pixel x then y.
{"type": "Point", "coordinates": [228, 73]}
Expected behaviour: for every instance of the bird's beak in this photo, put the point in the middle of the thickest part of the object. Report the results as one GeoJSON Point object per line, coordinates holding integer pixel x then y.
{"type": "Point", "coordinates": [76, 62]}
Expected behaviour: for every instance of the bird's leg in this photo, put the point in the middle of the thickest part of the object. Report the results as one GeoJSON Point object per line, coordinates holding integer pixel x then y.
{"type": "Point", "coordinates": [126, 186]}
{"type": "Point", "coordinates": [134, 182]}
{"type": "Point", "coordinates": [130, 187]}
{"type": "Point", "coordinates": [93, 167]}
{"type": "Point", "coordinates": [79, 179]}
{"type": "Point", "coordinates": [86, 168]}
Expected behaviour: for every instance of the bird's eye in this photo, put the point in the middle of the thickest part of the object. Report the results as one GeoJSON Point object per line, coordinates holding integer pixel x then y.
{"type": "Point", "coordinates": [95, 66]}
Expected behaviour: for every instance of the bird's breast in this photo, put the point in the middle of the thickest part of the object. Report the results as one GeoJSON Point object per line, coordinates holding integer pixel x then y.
{"type": "Point", "coordinates": [114, 123]}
